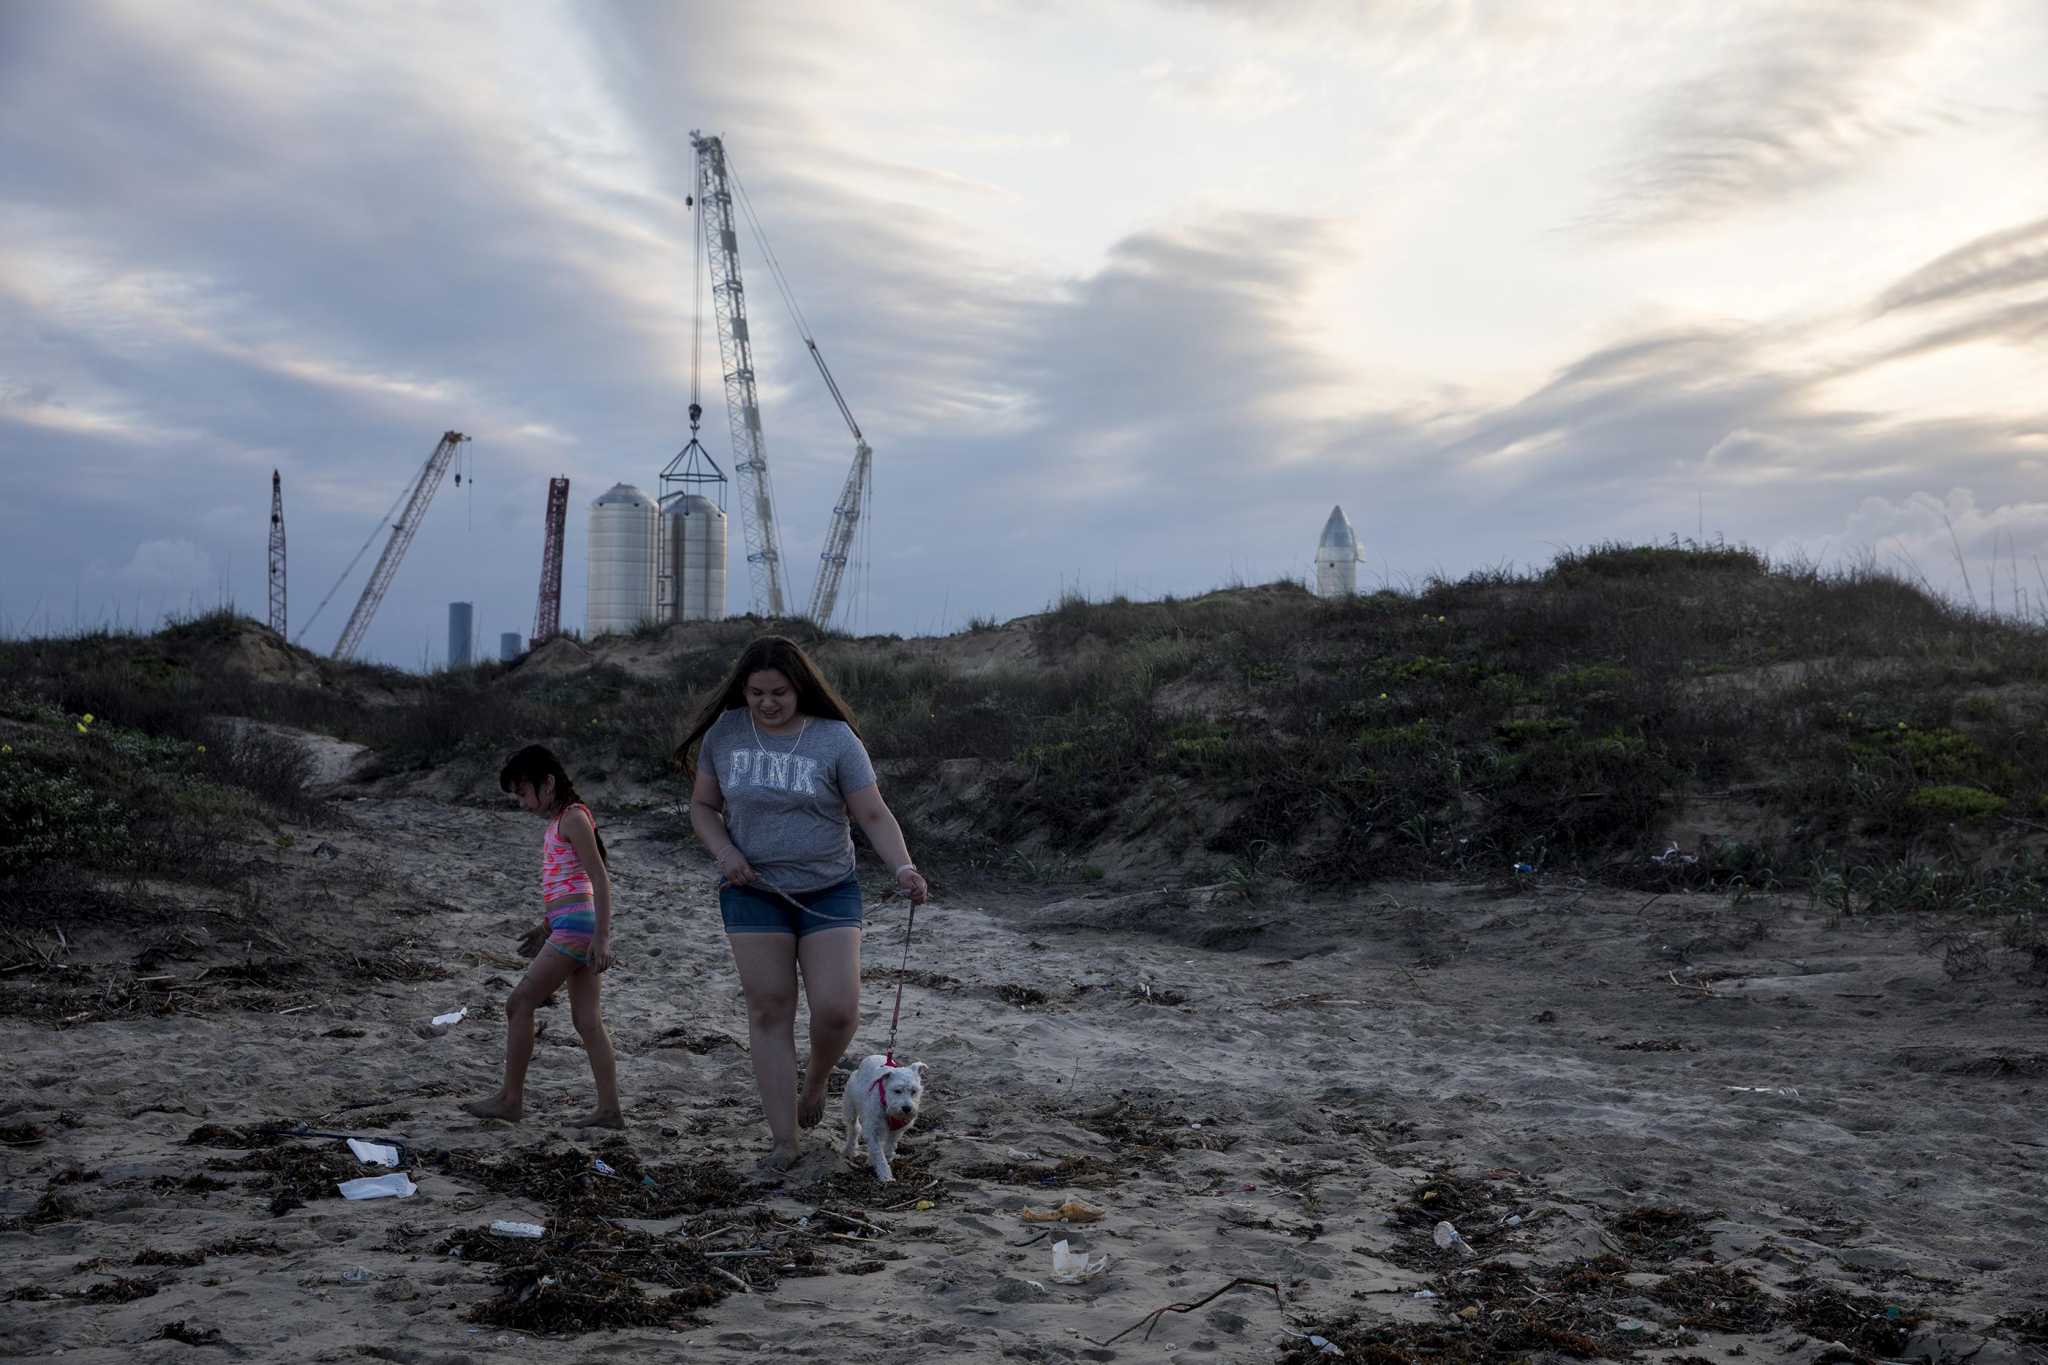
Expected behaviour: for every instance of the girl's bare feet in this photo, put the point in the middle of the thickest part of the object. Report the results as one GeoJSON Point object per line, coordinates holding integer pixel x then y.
{"type": "Point", "coordinates": [600, 1118]}
{"type": "Point", "coordinates": [497, 1107]}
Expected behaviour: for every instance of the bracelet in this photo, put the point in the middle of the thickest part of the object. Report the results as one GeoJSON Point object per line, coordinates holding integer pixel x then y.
{"type": "Point", "coordinates": [907, 867]}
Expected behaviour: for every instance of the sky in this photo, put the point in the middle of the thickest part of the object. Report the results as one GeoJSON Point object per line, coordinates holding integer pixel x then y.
{"type": "Point", "coordinates": [1125, 295]}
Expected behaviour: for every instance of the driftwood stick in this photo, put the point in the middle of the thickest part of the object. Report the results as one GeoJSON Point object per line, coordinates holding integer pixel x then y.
{"type": "Point", "coordinates": [851, 1221]}
{"type": "Point", "coordinates": [1151, 1319]}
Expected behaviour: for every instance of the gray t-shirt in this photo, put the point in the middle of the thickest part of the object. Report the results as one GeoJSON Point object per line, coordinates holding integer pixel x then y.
{"type": "Point", "coordinates": [785, 797]}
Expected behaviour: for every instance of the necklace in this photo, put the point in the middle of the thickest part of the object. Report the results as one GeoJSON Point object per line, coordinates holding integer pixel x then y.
{"type": "Point", "coordinates": [763, 747]}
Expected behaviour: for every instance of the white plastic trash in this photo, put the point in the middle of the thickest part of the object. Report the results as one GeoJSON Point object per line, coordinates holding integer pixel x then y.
{"type": "Point", "coordinates": [1071, 1267]}
{"type": "Point", "coordinates": [373, 1153]}
{"type": "Point", "coordinates": [394, 1186]}
{"type": "Point", "coordinates": [454, 1017]}
{"type": "Point", "coordinates": [506, 1228]}
{"type": "Point", "coordinates": [1324, 1346]}
{"type": "Point", "coordinates": [1447, 1236]}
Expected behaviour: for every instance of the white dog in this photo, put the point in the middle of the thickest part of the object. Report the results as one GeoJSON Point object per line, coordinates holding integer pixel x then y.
{"type": "Point", "coordinates": [881, 1100]}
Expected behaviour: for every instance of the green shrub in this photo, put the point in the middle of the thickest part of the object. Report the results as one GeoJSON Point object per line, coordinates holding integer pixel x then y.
{"type": "Point", "coordinates": [1957, 804]}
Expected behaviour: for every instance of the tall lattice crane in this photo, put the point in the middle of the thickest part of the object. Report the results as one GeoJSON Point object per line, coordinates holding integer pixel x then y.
{"type": "Point", "coordinates": [402, 531]}
{"type": "Point", "coordinates": [720, 233]}
{"type": "Point", "coordinates": [742, 403]}
{"type": "Point", "coordinates": [547, 612]}
{"type": "Point", "coordinates": [276, 553]}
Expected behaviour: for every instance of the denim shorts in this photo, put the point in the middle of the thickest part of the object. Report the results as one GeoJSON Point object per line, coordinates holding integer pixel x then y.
{"type": "Point", "coordinates": [747, 911]}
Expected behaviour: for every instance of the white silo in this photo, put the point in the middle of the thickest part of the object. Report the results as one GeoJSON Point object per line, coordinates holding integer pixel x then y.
{"type": "Point", "coordinates": [695, 547]}
{"type": "Point", "coordinates": [1337, 556]}
{"type": "Point", "coordinates": [619, 592]}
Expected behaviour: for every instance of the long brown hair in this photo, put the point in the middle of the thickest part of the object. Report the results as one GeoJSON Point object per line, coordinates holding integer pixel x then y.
{"type": "Point", "coordinates": [814, 696]}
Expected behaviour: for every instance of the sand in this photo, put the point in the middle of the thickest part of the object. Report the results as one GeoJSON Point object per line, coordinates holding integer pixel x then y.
{"type": "Point", "coordinates": [1694, 1112]}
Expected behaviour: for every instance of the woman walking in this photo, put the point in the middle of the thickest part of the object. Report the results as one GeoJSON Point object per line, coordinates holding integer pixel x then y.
{"type": "Point", "coordinates": [780, 778]}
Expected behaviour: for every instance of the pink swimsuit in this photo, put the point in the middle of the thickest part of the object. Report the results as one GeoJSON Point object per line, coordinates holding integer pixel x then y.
{"type": "Point", "coordinates": [567, 898]}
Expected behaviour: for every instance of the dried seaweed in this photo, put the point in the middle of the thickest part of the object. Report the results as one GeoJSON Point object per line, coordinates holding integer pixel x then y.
{"type": "Point", "coordinates": [1717, 1300]}
{"type": "Point", "coordinates": [567, 1180]}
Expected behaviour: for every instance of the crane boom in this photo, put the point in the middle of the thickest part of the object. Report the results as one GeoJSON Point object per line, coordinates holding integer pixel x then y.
{"type": "Point", "coordinates": [847, 513]}
{"type": "Point", "coordinates": [402, 532]}
{"type": "Point", "coordinates": [736, 351]}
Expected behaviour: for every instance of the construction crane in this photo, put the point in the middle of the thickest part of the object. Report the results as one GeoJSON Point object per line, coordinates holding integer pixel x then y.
{"type": "Point", "coordinates": [547, 612]}
{"type": "Point", "coordinates": [715, 186]}
{"type": "Point", "coordinates": [402, 531]}
{"type": "Point", "coordinates": [276, 553]}
{"type": "Point", "coordinates": [846, 516]}
{"type": "Point", "coordinates": [736, 350]}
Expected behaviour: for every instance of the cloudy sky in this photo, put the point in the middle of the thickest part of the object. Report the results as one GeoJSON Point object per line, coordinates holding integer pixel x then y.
{"type": "Point", "coordinates": [1124, 294]}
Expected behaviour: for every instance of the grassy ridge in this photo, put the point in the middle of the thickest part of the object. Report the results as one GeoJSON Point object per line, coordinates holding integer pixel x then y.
{"type": "Point", "coordinates": [1838, 731]}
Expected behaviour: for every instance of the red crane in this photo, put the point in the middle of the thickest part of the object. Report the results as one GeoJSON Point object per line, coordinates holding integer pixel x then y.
{"type": "Point", "coordinates": [547, 613]}
{"type": "Point", "coordinates": [276, 553]}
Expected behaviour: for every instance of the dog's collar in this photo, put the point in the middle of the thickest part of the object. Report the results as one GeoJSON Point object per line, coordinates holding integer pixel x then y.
{"type": "Point", "coordinates": [895, 1124]}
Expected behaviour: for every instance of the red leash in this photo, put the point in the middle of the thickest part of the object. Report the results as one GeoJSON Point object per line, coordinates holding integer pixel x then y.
{"type": "Point", "coordinates": [889, 1055]}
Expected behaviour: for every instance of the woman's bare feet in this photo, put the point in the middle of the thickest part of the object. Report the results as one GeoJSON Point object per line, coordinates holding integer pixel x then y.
{"type": "Point", "coordinates": [780, 1158]}
{"type": "Point", "coordinates": [600, 1118]}
{"type": "Point", "coordinates": [810, 1109]}
{"type": "Point", "coordinates": [497, 1107]}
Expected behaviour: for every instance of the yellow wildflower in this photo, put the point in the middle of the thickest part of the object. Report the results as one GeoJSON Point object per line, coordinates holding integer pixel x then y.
{"type": "Point", "coordinates": [88, 718]}
{"type": "Point", "coordinates": [6, 748]}
{"type": "Point", "coordinates": [81, 729]}
{"type": "Point", "coordinates": [202, 748]}
{"type": "Point", "coordinates": [1383, 696]}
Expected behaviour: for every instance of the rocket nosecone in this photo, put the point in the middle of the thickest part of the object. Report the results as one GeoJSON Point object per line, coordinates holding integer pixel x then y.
{"type": "Point", "coordinates": [1338, 537]}
{"type": "Point", "coordinates": [1337, 557]}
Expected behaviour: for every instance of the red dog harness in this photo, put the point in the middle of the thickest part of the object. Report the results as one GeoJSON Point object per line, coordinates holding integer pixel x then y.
{"type": "Point", "coordinates": [895, 1124]}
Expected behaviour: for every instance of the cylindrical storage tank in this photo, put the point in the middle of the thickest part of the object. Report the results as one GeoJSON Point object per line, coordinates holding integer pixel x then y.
{"type": "Point", "coordinates": [696, 557]}
{"type": "Point", "coordinates": [461, 622]}
{"type": "Point", "coordinates": [619, 588]}
{"type": "Point", "coordinates": [508, 646]}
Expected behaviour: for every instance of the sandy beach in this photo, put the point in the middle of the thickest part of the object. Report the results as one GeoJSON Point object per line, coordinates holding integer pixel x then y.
{"type": "Point", "coordinates": [1664, 1127]}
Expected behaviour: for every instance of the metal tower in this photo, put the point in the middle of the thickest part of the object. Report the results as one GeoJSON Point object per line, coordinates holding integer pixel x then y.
{"type": "Point", "coordinates": [547, 612]}
{"type": "Point", "coordinates": [402, 531]}
{"type": "Point", "coordinates": [736, 350]}
{"type": "Point", "coordinates": [276, 553]}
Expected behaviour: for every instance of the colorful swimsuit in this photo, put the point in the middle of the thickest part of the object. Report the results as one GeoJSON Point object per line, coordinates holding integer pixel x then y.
{"type": "Point", "coordinates": [567, 898]}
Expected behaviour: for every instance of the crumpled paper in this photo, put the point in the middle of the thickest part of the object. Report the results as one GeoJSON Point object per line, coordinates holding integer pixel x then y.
{"type": "Point", "coordinates": [1073, 1211]}
{"type": "Point", "coordinates": [1071, 1267]}
{"type": "Point", "coordinates": [373, 1153]}
{"type": "Point", "coordinates": [452, 1017]}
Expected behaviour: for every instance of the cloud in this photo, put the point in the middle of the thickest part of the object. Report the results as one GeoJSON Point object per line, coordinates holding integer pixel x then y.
{"type": "Point", "coordinates": [1805, 96]}
{"type": "Point", "coordinates": [2013, 258]}
{"type": "Point", "coordinates": [1242, 91]}
{"type": "Point", "coordinates": [167, 566]}
{"type": "Point", "coordinates": [279, 237]}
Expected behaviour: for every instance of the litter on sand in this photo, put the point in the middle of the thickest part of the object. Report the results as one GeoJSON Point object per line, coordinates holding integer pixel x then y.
{"type": "Point", "coordinates": [1072, 1267]}
{"type": "Point", "coordinates": [373, 1153]}
{"type": "Point", "coordinates": [1324, 1346]}
{"type": "Point", "coordinates": [1447, 1236]}
{"type": "Point", "coordinates": [394, 1186]}
{"type": "Point", "coordinates": [506, 1228]}
{"type": "Point", "coordinates": [1073, 1211]}
{"type": "Point", "coordinates": [1791, 1090]}
{"type": "Point", "coordinates": [453, 1017]}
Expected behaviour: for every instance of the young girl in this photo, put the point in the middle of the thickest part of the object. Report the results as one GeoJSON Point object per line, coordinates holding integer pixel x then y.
{"type": "Point", "coordinates": [576, 901]}
{"type": "Point", "coordinates": [782, 772]}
